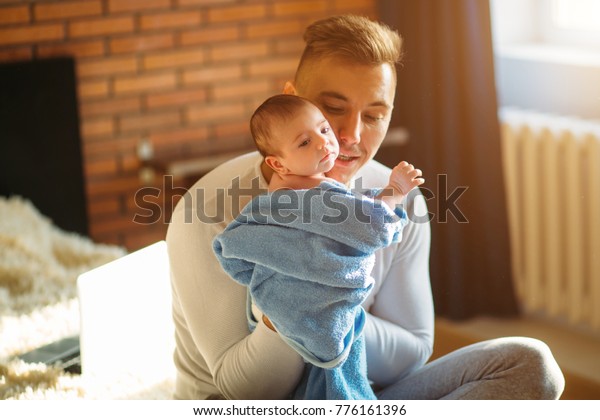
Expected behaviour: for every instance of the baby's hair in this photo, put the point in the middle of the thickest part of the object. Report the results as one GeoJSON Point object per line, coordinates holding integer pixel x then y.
{"type": "Point", "coordinates": [355, 39]}
{"type": "Point", "coordinates": [276, 109]}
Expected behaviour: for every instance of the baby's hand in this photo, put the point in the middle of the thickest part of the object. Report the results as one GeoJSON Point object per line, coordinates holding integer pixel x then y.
{"type": "Point", "coordinates": [405, 177]}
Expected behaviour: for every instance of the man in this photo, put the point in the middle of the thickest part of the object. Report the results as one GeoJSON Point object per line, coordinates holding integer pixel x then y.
{"type": "Point", "coordinates": [348, 70]}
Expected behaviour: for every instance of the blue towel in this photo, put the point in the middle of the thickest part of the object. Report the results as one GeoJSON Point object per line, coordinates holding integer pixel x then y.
{"type": "Point", "coordinates": [306, 258]}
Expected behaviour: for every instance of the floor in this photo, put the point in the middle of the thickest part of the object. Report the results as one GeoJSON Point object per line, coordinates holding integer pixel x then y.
{"type": "Point", "coordinates": [577, 353]}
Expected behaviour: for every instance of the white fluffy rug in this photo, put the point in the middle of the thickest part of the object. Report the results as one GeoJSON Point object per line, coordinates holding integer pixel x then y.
{"type": "Point", "coordinates": [39, 265]}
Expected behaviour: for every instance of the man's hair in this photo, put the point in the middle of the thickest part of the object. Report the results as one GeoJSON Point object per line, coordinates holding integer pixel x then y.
{"type": "Point", "coordinates": [356, 39]}
{"type": "Point", "coordinates": [276, 109]}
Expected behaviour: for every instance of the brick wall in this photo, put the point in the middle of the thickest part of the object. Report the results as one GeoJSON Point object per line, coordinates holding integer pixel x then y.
{"type": "Point", "coordinates": [183, 74]}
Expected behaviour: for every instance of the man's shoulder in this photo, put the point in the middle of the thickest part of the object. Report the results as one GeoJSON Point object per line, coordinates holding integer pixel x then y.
{"type": "Point", "coordinates": [217, 197]}
{"type": "Point", "coordinates": [372, 175]}
{"type": "Point", "coordinates": [242, 166]}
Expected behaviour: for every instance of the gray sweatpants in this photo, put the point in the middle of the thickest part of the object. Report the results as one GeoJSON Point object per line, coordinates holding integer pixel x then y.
{"type": "Point", "coordinates": [503, 368]}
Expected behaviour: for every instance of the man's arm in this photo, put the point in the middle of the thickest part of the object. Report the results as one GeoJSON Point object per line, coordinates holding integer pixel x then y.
{"type": "Point", "coordinates": [399, 330]}
{"type": "Point", "coordinates": [211, 322]}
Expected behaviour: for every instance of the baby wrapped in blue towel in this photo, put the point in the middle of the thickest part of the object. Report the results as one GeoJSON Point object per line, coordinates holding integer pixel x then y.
{"type": "Point", "coordinates": [306, 250]}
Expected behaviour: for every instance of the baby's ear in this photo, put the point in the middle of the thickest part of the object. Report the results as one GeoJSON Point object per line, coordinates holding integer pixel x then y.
{"type": "Point", "coordinates": [275, 164]}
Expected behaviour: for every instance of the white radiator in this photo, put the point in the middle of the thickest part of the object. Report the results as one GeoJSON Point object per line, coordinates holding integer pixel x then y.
{"type": "Point", "coordinates": [552, 175]}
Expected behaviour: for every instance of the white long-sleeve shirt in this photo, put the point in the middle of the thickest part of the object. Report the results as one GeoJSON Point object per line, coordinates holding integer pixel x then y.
{"type": "Point", "coordinates": [217, 356]}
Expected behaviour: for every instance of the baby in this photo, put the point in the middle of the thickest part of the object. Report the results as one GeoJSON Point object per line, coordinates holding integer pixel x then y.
{"type": "Point", "coordinates": [310, 279]}
{"type": "Point", "coordinates": [297, 142]}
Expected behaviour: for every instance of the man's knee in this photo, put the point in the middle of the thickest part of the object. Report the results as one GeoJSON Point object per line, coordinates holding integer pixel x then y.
{"type": "Point", "coordinates": [542, 377]}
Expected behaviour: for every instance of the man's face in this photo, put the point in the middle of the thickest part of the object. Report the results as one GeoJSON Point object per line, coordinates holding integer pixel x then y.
{"type": "Point", "coordinates": [357, 100]}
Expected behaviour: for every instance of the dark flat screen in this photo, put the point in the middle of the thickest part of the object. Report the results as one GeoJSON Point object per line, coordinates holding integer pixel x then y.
{"type": "Point", "coordinates": [40, 145]}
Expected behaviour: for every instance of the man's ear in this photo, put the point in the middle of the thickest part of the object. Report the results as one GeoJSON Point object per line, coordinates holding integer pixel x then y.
{"type": "Point", "coordinates": [276, 165]}
{"type": "Point", "coordinates": [289, 88]}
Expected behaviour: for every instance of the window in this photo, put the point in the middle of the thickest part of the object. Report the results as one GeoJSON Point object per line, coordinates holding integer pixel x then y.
{"type": "Point", "coordinates": [570, 22]}
{"type": "Point", "coordinates": [576, 15]}
{"type": "Point", "coordinates": [548, 55]}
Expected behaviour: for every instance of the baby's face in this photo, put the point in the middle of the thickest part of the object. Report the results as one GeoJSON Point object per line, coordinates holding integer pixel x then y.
{"type": "Point", "coordinates": [306, 145]}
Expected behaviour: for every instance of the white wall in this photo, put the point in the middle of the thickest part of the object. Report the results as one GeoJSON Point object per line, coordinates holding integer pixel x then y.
{"type": "Point", "coordinates": [511, 22]}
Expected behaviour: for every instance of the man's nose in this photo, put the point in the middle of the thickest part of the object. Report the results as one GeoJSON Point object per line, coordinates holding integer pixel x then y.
{"type": "Point", "coordinates": [349, 129]}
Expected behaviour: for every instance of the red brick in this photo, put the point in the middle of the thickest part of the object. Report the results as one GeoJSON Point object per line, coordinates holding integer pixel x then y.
{"type": "Point", "coordinates": [129, 162]}
{"type": "Point", "coordinates": [210, 112]}
{"type": "Point", "coordinates": [204, 148]}
{"type": "Point", "coordinates": [346, 5]}
{"type": "Point", "coordinates": [369, 13]}
{"type": "Point", "coordinates": [139, 205]}
{"type": "Point", "coordinates": [240, 51]}
{"type": "Point", "coordinates": [243, 143]}
{"type": "Point", "coordinates": [97, 127]}
{"type": "Point", "coordinates": [142, 226]}
{"type": "Point", "coordinates": [212, 74]}
{"type": "Point", "coordinates": [110, 107]}
{"type": "Point", "coordinates": [174, 20]}
{"type": "Point", "coordinates": [132, 206]}
{"type": "Point", "coordinates": [106, 66]}
{"type": "Point", "coordinates": [237, 13]}
{"type": "Point", "coordinates": [76, 49]}
{"type": "Point", "coordinates": [100, 167]}
{"type": "Point", "coordinates": [278, 83]}
{"type": "Point", "coordinates": [204, 2]}
{"type": "Point", "coordinates": [104, 206]}
{"type": "Point", "coordinates": [177, 98]}
{"type": "Point", "coordinates": [112, 186]}
{"type": "Point", "coordinates": [31, 34]}
{"type": "Point", "coordinates": [295, 8]}
{"type": "Point", "coordinates": [103, 26]}
{"type": "Point", "coordinates": [179, 136]}
{"type": "Point", "coordinates": [141, 43]}
{"type": "Point", "coordinates": [241, 89]}
{"type": "Point", "coordinates": [150, 83]}
{"type": "Point", "coordinates": [148, 121]}
{"type": "Point", "coordinates": [210, 35]}
{"type": "Point", "coordinates": [150, 195]}
{"type": "Point", "coordinates": [66, 9]}
{"type": "Point", "coordinates": [119, 223]}
{"type": "Point", "coordinates": [274, 29]}
{"type": "Point", "coordinates": [275, 66]}
{"type": "Point", "coordinates": [110, 147]}
{"type": "Point", "coordinates": [239, 129]}
{"type": "Point", "coordinates": [137, 5]}
{"type": "Point", "coordinates": [16, 54]}
{"type": "Point", "coordinates": [180, 58]}
{"type": "Point", "coordinates": [93, 89]}
{"type": "Point", "coordinates": [289, 47]}
{"type": "Point", "coordinates": [254, 102]}
{"type": "Point", "coordinates": [240, 143]}
{"type": "Point", "coordinates": [12, 15]}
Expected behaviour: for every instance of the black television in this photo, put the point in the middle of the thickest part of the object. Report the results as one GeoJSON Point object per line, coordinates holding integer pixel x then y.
{"type": "Point", "coordinates": [40, 144]}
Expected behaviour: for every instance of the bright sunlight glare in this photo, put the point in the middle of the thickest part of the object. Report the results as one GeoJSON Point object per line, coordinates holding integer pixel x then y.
{"type": "Point", "coordinates": [578, 15]}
